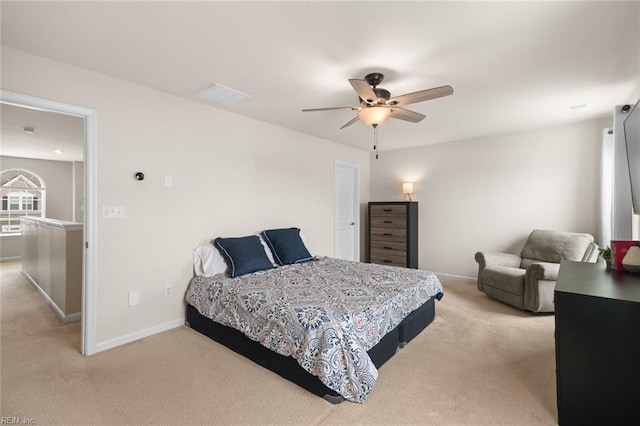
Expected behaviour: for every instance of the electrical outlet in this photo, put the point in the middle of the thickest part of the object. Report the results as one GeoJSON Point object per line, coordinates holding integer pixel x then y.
{"type": "Point", "coordinates": [168, 290]}
{"type": "Point", "coordinates": [134, 297]}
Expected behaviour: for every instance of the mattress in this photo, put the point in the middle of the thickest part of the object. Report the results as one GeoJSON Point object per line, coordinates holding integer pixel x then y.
{"type": "Point", "coordinates": [288, 368]}
{"type": "Point", "coordinates": [326, 314]}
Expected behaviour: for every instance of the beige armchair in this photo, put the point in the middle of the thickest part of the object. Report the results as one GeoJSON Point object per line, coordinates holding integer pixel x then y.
{"type": "Point", "coordinates": [528, 281]}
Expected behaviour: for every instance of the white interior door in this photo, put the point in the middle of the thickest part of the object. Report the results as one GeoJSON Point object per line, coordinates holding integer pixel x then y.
{"type": "Point", "coordinates": [347, 212]}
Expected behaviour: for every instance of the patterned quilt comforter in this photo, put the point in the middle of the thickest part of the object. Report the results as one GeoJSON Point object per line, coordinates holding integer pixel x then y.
{"type": "Point", "coordinates": [325, 313]}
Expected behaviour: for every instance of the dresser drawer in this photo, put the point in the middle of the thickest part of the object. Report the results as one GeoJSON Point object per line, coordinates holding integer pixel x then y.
{"type": "Point", "coordinates": [389, 260]}
{"type": "Point", "coordinates": [388, 247]}
{"type": "Point", "coordinates": [388, 210]}
{"type": "Point", "coordinates": [389, 222]}
{"type": "Point", "coordinates": [390, 254]}
{"type": "Point", "coordinates": [392, 235]}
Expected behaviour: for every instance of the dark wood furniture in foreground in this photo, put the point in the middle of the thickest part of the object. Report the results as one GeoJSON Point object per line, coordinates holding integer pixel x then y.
{"type": "Point", "coordinates": [393, 233]}
{"type": "Point", "coordinates": [597, 345]}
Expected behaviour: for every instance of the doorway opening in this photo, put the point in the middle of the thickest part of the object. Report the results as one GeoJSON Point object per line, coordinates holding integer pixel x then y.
{"type": "Point", "coordinates": [85, 208]}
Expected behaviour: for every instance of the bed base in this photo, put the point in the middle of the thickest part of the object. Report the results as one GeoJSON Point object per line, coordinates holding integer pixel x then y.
{"type": "Point", "coordinates": [289, 368]}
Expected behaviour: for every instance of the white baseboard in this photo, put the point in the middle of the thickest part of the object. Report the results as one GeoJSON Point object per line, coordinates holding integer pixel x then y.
{"type": "Point", "coordinates": [10, 258]}
{"type": "Point", "coordinates": [65, 318]}
{"type": "Point", "coordinates": [141, 334]}
{"type": "Point", "coordinates": [72, 317]}
{"type": "Point", "coordinates": [457, 277]}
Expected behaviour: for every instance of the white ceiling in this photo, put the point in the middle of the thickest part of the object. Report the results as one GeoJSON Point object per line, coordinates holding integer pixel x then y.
{"type": "Point", "coordinates": [513, 65]}
{"type": "Point", "coordinates": [52, 132]}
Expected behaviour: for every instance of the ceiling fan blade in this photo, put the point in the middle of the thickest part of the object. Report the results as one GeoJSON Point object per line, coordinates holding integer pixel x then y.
{"type": "Point", "coordinates": [353, 108]}
{"type": "Point", "coordinates": [350, 122]}
{"type": "Point", "coordinates": [422, 95]}
{"type": "Point", "coordinates": [363, 90]}
{"type": "Point", "coordinates": [405, 114]}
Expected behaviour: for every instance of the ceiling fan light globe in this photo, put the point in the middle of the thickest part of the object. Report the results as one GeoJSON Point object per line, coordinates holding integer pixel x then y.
{"type": "Point", "coordinates": [374, 116]}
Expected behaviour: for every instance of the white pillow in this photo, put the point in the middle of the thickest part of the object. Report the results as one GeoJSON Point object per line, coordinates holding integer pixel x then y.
{"type": "Point", "coordinates": [267, 250]}
{"type": "Point", "coordinates": [208, 261]}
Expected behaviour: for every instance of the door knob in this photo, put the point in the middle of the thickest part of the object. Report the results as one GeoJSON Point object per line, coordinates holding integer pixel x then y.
{"type": "Point", "coordinates": [353, 223]}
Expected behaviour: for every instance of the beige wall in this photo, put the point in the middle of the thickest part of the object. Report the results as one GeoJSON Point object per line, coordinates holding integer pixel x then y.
{"type": "Point", "coordinates": [10, 248]}
{"type": "Point", "coordinates": [57, 177]}
{"type": "Point", "coordinates": [78, 191]}
{"type": "Point", "coordinates": [489, 193]}
{"type": "Point", "coordinates": [232, 176]}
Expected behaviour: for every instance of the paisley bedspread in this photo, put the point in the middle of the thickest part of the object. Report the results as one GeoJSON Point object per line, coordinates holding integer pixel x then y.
{"type": "Point", "coordinates": [325, 313]}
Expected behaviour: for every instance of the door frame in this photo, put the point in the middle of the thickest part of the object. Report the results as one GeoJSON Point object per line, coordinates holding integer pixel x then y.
{"type": "Point", "coordinates": [356, 201]}
{"type": "Point", "coordinates": [90, 241]}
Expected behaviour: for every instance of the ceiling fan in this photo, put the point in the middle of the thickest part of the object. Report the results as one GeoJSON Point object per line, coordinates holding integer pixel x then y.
{"type": "Point", "coordinates": [377, 105]}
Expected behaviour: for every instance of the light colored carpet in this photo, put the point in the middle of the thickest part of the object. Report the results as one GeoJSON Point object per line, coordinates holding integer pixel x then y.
{"type": "Point", "coordinates": [480, 362]}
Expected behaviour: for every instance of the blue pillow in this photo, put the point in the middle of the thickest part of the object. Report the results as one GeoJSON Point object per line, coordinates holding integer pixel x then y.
{"type": "Point", "coordinates": [243, 255]}
{"type": "Point", "coordinates": [287, 246]}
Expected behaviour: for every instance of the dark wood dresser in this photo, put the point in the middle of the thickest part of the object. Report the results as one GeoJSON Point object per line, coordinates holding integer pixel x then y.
{"type": "Point", "coordinates": [597, 345]}
{"type": "Point", "coordinates": [393, 233]}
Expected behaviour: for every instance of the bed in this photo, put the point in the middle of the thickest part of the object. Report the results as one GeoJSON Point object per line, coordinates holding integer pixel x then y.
{"type": "Point", "coordinates": [325, 324]}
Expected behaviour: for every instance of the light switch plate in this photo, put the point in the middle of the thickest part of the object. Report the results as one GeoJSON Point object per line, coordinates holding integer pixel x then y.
{"type": "Point", "coordinates": [112, 212]}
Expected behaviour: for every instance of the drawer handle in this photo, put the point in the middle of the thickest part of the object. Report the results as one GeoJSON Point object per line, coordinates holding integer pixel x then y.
{"type": "Point", "coordinates": [387, 210]}
{"type": "Point", "coordinates": [386, 261]}
{"type": "Point", "coordinates": [387, 234]}
{"type": "Point", "coordinates": [388, 248]}
{"type": "Point", "coordinates": [387, 221]}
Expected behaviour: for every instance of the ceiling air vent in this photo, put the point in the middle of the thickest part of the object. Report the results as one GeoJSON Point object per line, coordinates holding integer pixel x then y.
{"type": "Point", "coordinates": [222, 95]}
{"type": "Point", "coordinates": [578, 107]}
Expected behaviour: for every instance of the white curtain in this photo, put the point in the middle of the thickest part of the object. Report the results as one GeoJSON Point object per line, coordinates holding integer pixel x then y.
{"type": "Point", "coordinates": [606, 188]}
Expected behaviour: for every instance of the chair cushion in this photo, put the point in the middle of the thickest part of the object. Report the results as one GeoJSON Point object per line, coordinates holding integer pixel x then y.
{"type": "Point", "coordinates": [553, 246]}
{"type": "Point", "coordinates": [504, 278]}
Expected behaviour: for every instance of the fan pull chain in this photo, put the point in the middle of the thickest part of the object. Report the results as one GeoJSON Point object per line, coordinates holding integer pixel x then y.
{"type": "Point", "coordinates": [375, 140]}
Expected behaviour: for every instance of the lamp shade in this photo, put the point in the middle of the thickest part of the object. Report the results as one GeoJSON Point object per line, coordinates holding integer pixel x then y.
{"type": "Point", "coordinates": [407, 188]}
{"type": "Point", "coordinates": [631, 260]}
{"type": "Point", "coordinates": [374, 116]}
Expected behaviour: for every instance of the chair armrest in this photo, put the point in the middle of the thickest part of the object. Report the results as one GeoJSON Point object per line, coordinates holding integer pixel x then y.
{"type": "Point", "coordinates": [486, 258]}
{"type": "Point", "coordinates": [543, 271]}
{"type": "Point", "coordinates": [592, 254]}
{"type": "Point", "coordinates": [538, 297]}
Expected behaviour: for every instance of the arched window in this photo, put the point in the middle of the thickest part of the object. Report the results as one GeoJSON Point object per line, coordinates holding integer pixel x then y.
{"type": "Point", "coordinates": [23, 194]}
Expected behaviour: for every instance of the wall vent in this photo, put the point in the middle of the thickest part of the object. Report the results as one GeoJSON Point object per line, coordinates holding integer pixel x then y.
{"type": "Point", "coordinates": [222, 94]}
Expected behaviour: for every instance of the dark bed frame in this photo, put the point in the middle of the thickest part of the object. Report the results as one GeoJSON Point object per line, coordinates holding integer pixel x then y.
{"type": "Point", "coordinates": [289, 368]}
